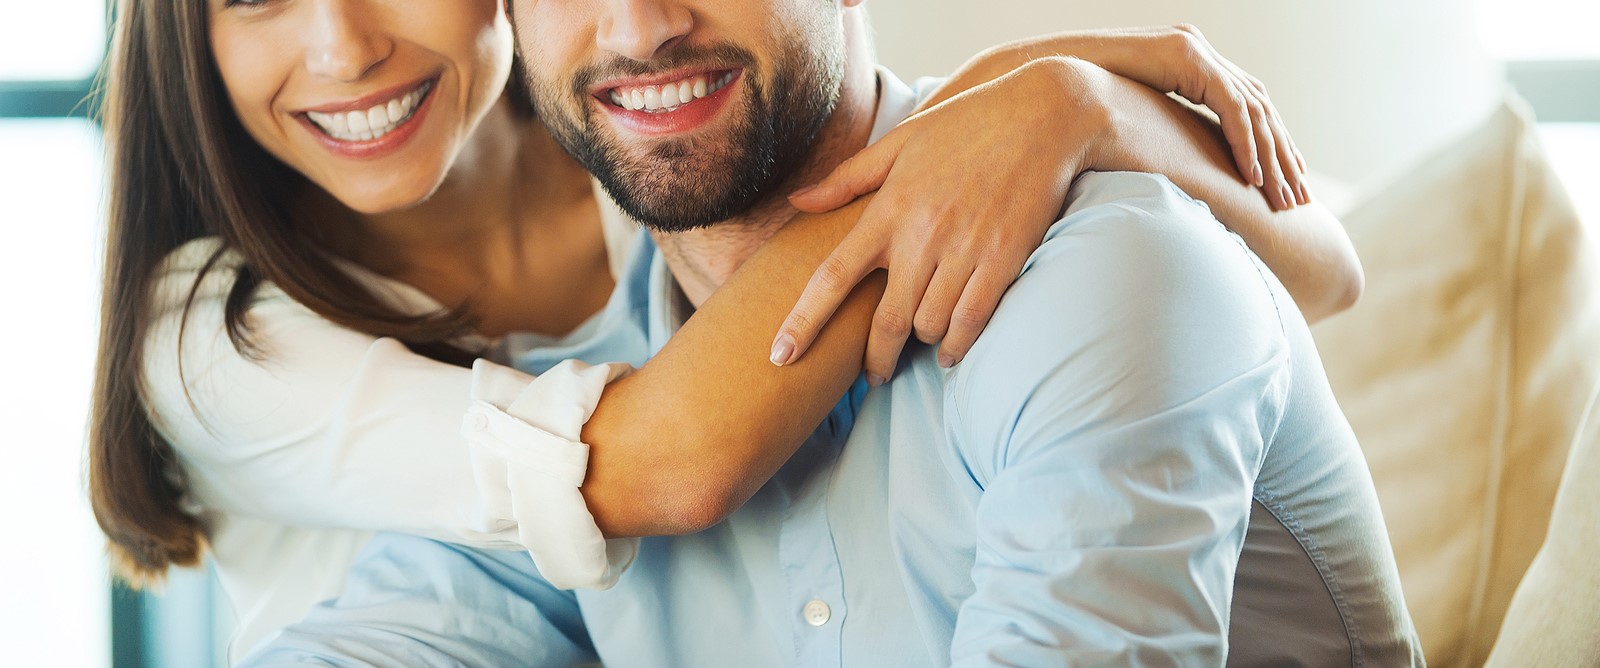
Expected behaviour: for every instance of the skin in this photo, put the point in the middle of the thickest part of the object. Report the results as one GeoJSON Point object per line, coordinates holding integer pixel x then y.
{"type": "Point", "coordinates": [485, 205]}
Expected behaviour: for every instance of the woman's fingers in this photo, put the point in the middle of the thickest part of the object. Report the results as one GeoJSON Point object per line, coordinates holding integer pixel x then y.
{"type": "Point", "coordinates": [944, 290]}
{"type": "Point", "coordinates": [1286, 158]}
{"type": "Point", "coordinates": [1290, 162]}
{"type": "Point", "coordinates": [972, 313]}
{"type": "Point", "coordinates": [891, 325]}
{"type": "Point", "coordinates": [1289, 156]}
{"type": "Point", "coordinates": [861, 174]}
{"type": "Point", "coordinates": [858, 255]}
{"type": "Point", "coordinates": [1239, 131]}
{"type": "Point", "coordinates": [1276, 188]}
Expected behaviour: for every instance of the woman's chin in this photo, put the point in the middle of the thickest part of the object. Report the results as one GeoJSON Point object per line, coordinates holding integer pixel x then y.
{"type": "Point", "coordinates": [387, 197]}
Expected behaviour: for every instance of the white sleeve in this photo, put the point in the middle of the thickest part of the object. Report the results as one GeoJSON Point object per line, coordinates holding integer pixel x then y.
{"type": "Point", "coordinates": [334, 428]}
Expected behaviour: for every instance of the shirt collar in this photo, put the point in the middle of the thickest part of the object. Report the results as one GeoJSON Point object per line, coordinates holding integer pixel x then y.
{"type": "Point", "coordinates": [670, 308]}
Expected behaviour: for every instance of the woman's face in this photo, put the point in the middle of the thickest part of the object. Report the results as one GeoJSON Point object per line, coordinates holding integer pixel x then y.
{"type": "Point", "coordinates": [370, 99]}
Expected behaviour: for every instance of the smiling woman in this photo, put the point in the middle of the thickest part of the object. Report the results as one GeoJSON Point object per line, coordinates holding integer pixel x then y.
{"type": "Point", "coordinates": [286, 63]}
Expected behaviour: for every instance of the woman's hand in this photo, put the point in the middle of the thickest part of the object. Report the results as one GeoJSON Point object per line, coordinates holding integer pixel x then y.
{"type": "Point", "coordinates": [964, 201]}
{"type": "Point", "coordinates": [1172, 59]}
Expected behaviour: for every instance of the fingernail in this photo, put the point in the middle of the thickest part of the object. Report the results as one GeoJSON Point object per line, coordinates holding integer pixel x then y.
{"type": "Point", "coordinates": [947, 361]}
{"type": "Point", "coordinates": [802, 192]}
{"type": "Point", "coordinates": [782, 349]}
{"type": "Point", "coordinates": [1256, 176]}
{"type": "Point", "coordinates": [1287, 195]}
{"type": "Point", "coordinates": [875, 380]}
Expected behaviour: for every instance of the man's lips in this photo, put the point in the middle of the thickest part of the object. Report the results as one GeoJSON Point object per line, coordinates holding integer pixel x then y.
{"type": "Point", "coordinates": [669, 106]}
{"type": "Point", "coordinates": [669, 95]}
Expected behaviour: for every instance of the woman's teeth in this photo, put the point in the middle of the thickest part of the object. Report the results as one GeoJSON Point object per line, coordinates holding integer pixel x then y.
{"type": "Point", "coordinates": [669, 96]}
{"type": "Point", "coordinates": [372, 123]}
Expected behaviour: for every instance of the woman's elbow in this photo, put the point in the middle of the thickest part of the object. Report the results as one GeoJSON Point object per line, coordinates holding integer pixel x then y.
{"type": "Point", "coordinates": [1338, 290]}
{"type": "Point", "coordinates": [664, 504]}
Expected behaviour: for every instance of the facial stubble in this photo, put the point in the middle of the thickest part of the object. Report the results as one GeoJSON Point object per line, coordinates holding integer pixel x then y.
{"type": "Point", "coordinates": [680, 184]}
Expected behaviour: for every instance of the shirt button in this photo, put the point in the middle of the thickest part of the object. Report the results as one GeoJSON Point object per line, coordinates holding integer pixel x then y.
{"type": "Point", "coordinates": [817, 613]}
{"type": "Point", "coordinates": [477, 421]}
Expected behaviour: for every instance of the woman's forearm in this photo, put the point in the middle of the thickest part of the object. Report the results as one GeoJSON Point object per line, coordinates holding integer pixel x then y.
{"type": "Point", "coordinates": [689, 437]}
{"type": "Point", "coordinates": [1306, 246]}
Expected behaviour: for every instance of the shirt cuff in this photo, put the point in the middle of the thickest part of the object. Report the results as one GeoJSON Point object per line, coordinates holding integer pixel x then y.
{"type": "Point", "coordinates": [528, 462]}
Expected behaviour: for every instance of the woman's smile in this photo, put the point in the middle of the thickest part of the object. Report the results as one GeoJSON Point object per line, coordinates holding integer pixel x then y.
{"type": "Point", "coordinates": [372, 126]}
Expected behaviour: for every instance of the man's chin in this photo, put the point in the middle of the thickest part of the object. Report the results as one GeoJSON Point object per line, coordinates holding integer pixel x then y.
{"type": "Point", "coordinates": [681, 184]}
{"type": "Point", "coordinates": [678, 199]}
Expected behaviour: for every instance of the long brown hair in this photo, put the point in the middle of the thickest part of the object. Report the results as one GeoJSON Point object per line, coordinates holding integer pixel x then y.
{"type": "Point", "coordinates": [181, 167]}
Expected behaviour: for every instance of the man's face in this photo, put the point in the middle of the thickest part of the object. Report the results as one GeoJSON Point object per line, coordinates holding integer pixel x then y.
{"type": "Point", "coordinates": [688, 111]}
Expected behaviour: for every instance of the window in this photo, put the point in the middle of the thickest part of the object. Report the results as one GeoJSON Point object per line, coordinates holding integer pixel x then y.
{"type": "Point", "coordinates": [56, 605]}
{"type": "Point", "coordinates": [58, 40]}
{"type": "Point", "coordinates": [1540, 29]}
{"type": "Point", "coordinates": [1553, 59]}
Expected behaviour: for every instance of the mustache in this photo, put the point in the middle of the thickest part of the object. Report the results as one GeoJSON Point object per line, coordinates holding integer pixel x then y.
{"type": "Point", "coordinates": [712, 56]}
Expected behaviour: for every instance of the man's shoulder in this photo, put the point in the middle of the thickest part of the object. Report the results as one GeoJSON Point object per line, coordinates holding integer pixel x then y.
{"type": "Point", "coordinates": [1137, 301]}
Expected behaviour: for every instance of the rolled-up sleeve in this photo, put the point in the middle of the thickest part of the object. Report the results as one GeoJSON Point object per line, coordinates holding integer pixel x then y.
{"type": "Point", "coordinates": [1115, 415]}
{"type": "Point", "coordinates": [332, 428]}
{"type": "Point", "coordinates": [529, 464]}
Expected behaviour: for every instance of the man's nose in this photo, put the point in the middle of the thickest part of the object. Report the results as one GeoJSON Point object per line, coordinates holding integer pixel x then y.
{"type": "Point", "coordinates": [640, 29]}
{"type": "Point", "coordinates": [343, 40]}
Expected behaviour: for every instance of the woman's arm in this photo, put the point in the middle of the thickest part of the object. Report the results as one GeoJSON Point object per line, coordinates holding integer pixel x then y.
{"type": "Point", "coordinates": [1085, 125]}
{"type": "Point", "coordinates": [709, 419]}
{"type": "Point", "coordinates": [1306, 246]}
{"type": "Point", "coordinates": [1170, 59]}
{"type": "Point", "coordinates": [689, 437]}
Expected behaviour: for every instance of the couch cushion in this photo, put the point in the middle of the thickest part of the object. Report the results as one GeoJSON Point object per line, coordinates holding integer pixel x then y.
{"type": "Point", "coordinates": [1553, 618]}
{"type": "Point", "coordinates": [1465, 369]}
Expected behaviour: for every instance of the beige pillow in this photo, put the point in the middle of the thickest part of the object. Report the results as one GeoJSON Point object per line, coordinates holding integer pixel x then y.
{"type": "Point", "coordinates": [1554, 620]}
{"type": "Point", "coordinates": [1465, 369]}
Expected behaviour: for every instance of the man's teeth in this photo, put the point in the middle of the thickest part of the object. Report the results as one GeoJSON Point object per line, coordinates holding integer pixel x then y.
{"type": "Point", "coordinates": [371, 123]}
{"type": "Point", "coordinates": [669, 96]}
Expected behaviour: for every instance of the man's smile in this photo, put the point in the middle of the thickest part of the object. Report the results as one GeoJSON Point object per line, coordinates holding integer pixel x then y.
{"type": "Point", "coordinates": [670, 103]}
{"type": "Point", "coordinates": [670, 96]}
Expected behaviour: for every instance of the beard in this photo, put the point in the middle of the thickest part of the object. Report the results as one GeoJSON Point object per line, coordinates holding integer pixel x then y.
{"type": "Point", "coordinates": [681, 184]}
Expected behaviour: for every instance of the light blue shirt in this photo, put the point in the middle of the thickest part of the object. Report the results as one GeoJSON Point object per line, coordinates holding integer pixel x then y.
{"type": "Point", "coordinates": [1139, 462]}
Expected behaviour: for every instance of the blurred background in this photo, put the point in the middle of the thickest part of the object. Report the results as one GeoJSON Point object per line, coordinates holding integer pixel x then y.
{"type": "Point", "coordinates": [1370, 89]}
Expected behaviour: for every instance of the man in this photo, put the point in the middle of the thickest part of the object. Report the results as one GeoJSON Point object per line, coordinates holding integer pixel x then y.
{"type": "Point", "coordinates": [1139, 462]}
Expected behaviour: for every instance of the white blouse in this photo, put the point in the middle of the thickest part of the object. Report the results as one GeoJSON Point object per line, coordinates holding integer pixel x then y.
{"type": "Point", "coordinates": [292, 460]}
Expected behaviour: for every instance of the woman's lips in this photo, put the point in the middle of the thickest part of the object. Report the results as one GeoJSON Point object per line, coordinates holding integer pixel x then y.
{"type": "Point", "coordinates": [368, 133]}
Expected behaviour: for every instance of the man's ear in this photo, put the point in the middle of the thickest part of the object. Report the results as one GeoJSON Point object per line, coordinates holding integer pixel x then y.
{"type": "Point", "coordinates": [845, 4]}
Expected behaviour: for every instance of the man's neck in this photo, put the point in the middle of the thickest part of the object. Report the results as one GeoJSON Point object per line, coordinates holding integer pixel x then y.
{"type": "Point", "coordinates": [702, 260]}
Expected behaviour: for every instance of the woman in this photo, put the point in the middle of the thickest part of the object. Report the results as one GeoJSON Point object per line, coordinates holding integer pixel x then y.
{"type": "Point", "coordinates": [290, 303]}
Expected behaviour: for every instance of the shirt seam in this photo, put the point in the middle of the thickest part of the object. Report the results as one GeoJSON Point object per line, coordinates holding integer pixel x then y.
{"type": "Point", "coordinates": [1290, 522]}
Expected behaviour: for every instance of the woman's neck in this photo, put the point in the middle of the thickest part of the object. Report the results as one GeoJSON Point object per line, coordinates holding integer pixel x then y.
{"type": "Point", "coordinates": [507, 174]}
